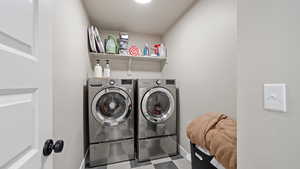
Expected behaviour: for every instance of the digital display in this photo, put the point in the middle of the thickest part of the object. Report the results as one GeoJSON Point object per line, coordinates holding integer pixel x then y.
{"type": "Point", "coordinates": [96, 85]}
{"type": "Point", "coordinates": [127, 82]}
{"type": "Point", "coordinates": [170, 82]}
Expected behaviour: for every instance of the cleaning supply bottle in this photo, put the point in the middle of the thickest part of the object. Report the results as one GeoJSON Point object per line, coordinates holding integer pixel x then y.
{"type": "Point", "coordinates": [162, 50]}
{"type": "Point", "coordinates": [107, 69]}
{"type": "Point", "coordinates": [146, 50]}
{"type": "Point", "coordinates": [156, 49]}
{"type": "Point", "coordinates": [111, 45]}
{"type": "Point", "coordinates": [98, 70]}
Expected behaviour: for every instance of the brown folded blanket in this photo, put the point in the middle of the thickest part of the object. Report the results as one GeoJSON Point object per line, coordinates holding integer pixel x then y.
{"type": "Point", "coordinates": [217, 133]}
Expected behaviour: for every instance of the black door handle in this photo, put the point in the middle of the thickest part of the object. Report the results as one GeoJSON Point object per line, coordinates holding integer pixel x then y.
{"type": "Point", "coordinates": [49, 146]}
{"type": "Point", "coordinates": [47, 150]}
{"type": "Point", "coordinates": [58, 146]}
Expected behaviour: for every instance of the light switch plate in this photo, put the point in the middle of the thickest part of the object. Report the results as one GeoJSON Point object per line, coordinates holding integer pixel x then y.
{"type": "Point", "coordinates": [275, 97]}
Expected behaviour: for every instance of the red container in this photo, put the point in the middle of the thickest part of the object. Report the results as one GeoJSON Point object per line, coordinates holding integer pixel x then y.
{"type": "Point", "coordinates": [156, 49]}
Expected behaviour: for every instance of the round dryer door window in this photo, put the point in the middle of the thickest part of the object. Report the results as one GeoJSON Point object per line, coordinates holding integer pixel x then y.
{"type": "Point", "coordinates": [111, 106]}
{"type": "Point", "coordinates": [158, 105]}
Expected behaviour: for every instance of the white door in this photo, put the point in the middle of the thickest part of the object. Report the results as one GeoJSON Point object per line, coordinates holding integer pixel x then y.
{"type": "Point", "coordinates": [25, 83]}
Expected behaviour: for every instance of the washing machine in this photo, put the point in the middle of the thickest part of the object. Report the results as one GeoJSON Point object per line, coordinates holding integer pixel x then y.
{"type": "Point", "coordinates": [156, 119]}
{"type": "Point", "coordinates": [110, 121]}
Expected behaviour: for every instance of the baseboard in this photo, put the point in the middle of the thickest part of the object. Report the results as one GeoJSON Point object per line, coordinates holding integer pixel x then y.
{"type": "Point", "coordinates": [82, 164]}
{"type": "Point", "coordinates": [184, 153]}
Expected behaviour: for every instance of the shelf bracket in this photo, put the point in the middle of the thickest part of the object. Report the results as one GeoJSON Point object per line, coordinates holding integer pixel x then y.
{"type": "Point", "coordinates": [129, 66]}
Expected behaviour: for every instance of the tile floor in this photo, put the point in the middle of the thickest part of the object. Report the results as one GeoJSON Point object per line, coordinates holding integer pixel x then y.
{"type": "Point", "coordinates": [175, 162]}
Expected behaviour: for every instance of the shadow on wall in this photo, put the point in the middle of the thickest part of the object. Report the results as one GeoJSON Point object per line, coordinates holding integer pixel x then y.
{"type": "Point", "coordinates": [85, 121]}
{"type": "Point", "coordinates": [178, 115]}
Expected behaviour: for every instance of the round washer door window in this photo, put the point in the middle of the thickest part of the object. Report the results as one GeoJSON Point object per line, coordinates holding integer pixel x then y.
{"type": "Point", "coordinates": [158, 105]}
{"type": "Point", "coordinates": [111, 106]}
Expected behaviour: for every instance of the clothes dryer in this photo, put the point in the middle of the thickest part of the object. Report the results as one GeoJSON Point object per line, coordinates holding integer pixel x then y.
{"type": "Point", "coordinates": [156, 119]}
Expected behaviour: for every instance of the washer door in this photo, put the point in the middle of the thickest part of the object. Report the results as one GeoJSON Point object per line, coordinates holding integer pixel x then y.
{"type": "Point", "coordinates": [111, 106]}
{"type": "Point", "coordinates": [158, 105]}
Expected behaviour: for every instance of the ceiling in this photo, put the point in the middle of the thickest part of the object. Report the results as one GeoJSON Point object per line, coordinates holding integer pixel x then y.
{"type": "Point", "coordinates": [126, 15]}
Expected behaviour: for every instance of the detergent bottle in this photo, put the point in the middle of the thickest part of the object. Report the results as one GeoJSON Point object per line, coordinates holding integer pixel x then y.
{"type": "Point", "coordinates": [111, 45]}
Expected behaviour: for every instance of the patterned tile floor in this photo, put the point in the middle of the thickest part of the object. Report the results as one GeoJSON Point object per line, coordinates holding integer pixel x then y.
{"type": "Point", "coordinates": [175, 162]}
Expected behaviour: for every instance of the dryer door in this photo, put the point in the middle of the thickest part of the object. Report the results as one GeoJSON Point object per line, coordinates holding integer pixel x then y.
{"type": "Point", "coordinates": [158, 105]}
{"type": "Point", "coordinates": [111, 106]}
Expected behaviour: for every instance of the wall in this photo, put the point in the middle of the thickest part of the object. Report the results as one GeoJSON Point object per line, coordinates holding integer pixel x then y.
{"type": "Point", "coordinates": [201, 50]}
{"type": "Point", "coordinates": [71, 66]}
{"type": "Point", "coordinates": [269, 33]}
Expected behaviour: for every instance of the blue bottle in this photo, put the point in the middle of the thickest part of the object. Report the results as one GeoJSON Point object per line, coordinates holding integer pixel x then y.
{"type": "Point", "coordinates": [146, 50]}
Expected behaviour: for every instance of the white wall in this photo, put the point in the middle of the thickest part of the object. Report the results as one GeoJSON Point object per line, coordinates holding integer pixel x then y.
{"type": "Point", "coordinates": [201, 50]}
{"type": "Point", "coordinates": [269, 33]}
{"type": "Point", "coordinates": [71, 66]}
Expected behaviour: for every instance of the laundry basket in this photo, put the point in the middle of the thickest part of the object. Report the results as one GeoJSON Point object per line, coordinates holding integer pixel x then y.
{"type": "Point", "coordinates": [200, 160]}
